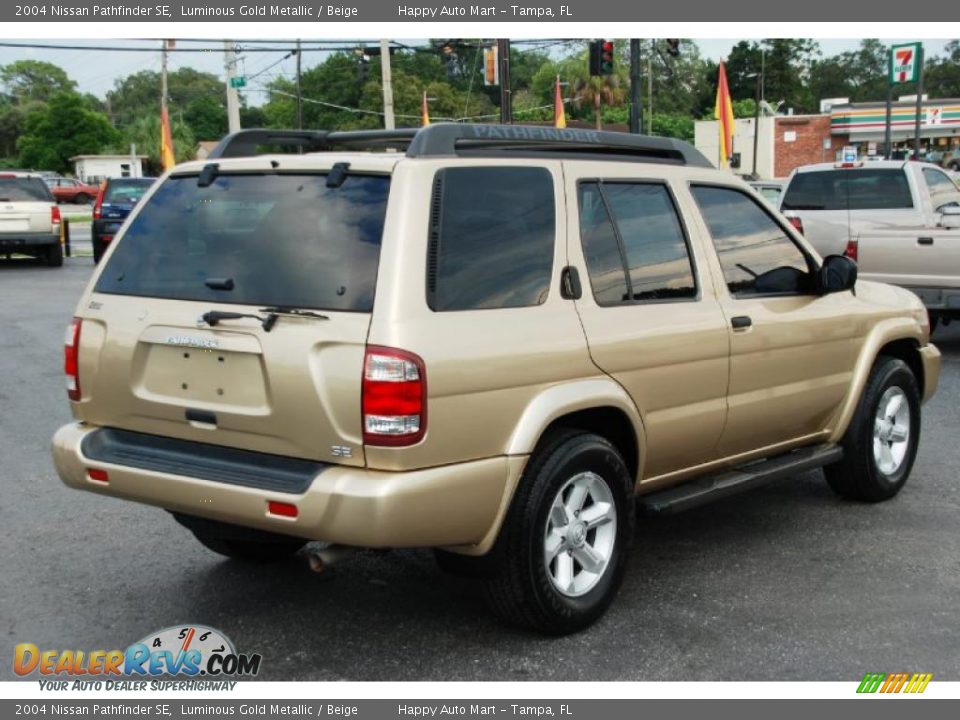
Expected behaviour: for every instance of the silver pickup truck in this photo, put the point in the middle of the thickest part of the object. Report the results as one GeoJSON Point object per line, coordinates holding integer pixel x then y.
{"type": "Point", "coordinates": [899, 220]}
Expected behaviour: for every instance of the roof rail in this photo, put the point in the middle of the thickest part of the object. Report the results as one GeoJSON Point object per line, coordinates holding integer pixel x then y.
{"type": "Point", "coordinates": [464, 139]}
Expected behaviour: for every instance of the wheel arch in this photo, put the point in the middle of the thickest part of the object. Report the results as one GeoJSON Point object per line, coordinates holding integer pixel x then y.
{"type": "Point", "coordinates": [898, 337]}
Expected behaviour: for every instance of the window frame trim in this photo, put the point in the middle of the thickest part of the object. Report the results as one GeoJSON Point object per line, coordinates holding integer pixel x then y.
{"type": "Point", "coordinates": [812, 266]}
{"type": "Point", "coordinates": [684, 230]}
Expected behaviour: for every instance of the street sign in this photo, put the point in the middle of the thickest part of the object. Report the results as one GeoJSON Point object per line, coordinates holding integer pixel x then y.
{"type": "Point", "coordinates": [240, 81]}
{"type": "Point", "coordinates": [905, 62]}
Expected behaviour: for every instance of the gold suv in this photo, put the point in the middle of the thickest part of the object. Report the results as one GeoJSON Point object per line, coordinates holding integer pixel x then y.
{"type": "Point", "coordinates": [481, 339]}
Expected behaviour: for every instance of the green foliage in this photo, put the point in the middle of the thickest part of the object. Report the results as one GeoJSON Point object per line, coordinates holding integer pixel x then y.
{"type": "Point", "coordinates": [139, 94]}
{"type": "Point", "coordinates": [145, 134]}
{"type": "Point", "coordinates": [29, 81]}
{"type": "Point", "coordinates": [206, 117]}
{"type": "Point", "coordinates": [63, 128]}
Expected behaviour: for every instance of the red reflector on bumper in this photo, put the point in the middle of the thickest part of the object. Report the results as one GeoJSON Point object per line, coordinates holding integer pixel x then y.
{"type": "Point", "coordinates": [282, 509]}
{"type": "Point", "coordinates": [98, 475]}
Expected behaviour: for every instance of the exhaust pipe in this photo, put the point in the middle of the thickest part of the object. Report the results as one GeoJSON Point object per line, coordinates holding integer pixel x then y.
{"type": "Point", "coordinates": [320, 560]}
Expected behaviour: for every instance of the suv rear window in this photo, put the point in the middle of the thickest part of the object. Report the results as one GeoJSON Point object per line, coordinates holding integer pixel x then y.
{"type": "Point", "coordinates": [126, 191]}
{"type": "Point", "coordinates": [284, 240]}
{"type": "Point", "coordinates": [24, 189]}
{"type": "Point", "coordinates": [854, 189]}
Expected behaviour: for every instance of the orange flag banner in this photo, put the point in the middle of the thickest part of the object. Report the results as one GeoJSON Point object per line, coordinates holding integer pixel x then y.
{"type": "Point", "coordinates": [424, 111]}
{"type": "Point", "coordinates": [559, 116]}
{"type": "Point", "coordinates": [724, 113]}
{"type": "Point", "coordinates": [167, 157]}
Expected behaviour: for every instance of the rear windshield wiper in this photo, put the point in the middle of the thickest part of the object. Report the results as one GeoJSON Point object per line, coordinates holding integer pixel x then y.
{"type": "Point", "coordinates": [295, 312]}
{"type": "Point", "coordinates": [213, 317]}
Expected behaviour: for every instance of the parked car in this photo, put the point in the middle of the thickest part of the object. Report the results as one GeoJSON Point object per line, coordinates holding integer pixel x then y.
{"type": "Point", "coordinates": [770, 190]}
{"type": "Point", "coordinates": [70, 190]}
{"type": "Point", "coordinates": [117, 197]}
{"type": "Point", "coordinates": [488, 344]}
{"type": "Point", "coordinates": [29, 218]}
{"type": "Point", "coordinates": [898, 220]}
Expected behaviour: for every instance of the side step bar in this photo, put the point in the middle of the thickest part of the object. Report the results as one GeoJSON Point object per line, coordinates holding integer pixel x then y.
{"type": "Point", "coordinates": [700, 491]}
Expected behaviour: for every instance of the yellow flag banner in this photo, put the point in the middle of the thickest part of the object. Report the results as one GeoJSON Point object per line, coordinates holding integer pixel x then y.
{"type": "Point", "coordinates": [167, 157]}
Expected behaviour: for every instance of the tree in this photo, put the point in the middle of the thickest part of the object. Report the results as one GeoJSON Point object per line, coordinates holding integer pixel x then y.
{"type": "Point", "coordinates": [206, 117]}
{"type": "Point", "coordinates": [942, 75]}
{"type": "Point", "coordinates": [137, 94]}
{"type": "Point", "coordinates": [62, 129]}
{"type": "Point", "coordinates": [145, 134]}
{"type": "Point", "coordinates": [26, 81]}
{"type": "Point", "coordinates": [786, 66]}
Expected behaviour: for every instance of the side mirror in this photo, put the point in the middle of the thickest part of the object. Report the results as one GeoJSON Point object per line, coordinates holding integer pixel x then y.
{"type": "Point", "coordinates": [837, 274]}
{"type": "Point", "coordinates": [950, 217]}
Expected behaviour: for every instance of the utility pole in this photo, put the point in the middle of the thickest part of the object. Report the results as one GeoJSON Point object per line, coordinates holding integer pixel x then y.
{"type": "Point", "coordinates": [299, 88]}
{"type": "Point", "coordinates": [636, 90]}
{"type": "Point", "coordinates": [163, 76]}
{"type": "Point", "coordinates": [887, 134]}
{"type": "Point", "coordinates": [916, 141]}
{"type": "Point", "coordinates": [653, 49]}
{"type": "Point", "coordinates": [506, 99]}
{"type": "Point", "coordinates": [388, 119]}
{"type": "Point", "coordinates": [233, 102]}
{"type": "Point", "coordinates": [756, 125]}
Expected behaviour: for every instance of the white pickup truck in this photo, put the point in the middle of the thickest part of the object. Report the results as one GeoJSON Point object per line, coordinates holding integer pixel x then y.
{"type": "Point", "coordinates": [899, 220]}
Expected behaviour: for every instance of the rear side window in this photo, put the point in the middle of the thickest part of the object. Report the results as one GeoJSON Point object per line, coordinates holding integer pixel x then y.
{"type": "Point", "coordinates": [285, 240]}
{"type": "Point", "coordinates": [492, 234]}
{"type": "Point", "coordinates": [943, 193]}
{"type": "Point", "coordinates": [24, 189]}
{"type": "Point", "coordinates": [854, 189]}
{"type": "Point", "coordinates": [633, 243]}
{"type": "Point", "coordinates": [126, 191]}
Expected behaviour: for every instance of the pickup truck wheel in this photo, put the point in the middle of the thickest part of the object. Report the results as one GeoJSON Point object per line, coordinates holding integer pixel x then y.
{"type": "Point", "coordinates": [881, 443]}
{"type": "Point", "coordinates": [53, 255]}
{"type": "Point", "coordinates": [561, 555]}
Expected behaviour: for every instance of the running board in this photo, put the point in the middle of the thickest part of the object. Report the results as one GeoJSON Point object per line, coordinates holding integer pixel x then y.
{"type": "Point", "coordinates": [700, 491]}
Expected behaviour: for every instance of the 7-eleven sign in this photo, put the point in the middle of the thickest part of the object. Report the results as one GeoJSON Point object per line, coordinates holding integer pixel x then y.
{"type": "Point", "coordinates": [905, 62]}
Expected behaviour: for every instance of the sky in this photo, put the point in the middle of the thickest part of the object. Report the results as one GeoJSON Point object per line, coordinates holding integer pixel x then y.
{"type": "Point", "coordinates": [96, 71]}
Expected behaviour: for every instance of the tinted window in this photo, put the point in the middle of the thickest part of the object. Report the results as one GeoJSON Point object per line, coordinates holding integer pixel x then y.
{"type": "Point", "coordinates": [126, 191]}
{"type": "Point", "coordinates": [640, 253]}
{"type": "Point", "coordinates": [24, 189]}
{"type": "Point", "coordinates": [491, 238]}
{"type": "Point", "coordinates": [283, 240]}
{"type": "Point", "coordinates": [755, 253]}
{"type": "Point", "coordinates": [856, 189]}
{"type": "Point", "coordinates": [942, 190]}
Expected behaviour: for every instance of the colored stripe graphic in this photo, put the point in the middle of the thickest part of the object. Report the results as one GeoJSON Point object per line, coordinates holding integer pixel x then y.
{"type": "Point", "coordinates": [891, 683]}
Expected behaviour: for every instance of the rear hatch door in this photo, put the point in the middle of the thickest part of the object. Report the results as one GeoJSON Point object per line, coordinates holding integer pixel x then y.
{"type": "Point", "coordinates": [25, 204]}
{"type": "Point", "coordinates": [119, 198]}
{"type": "Point", "coordinates": [254, 243]}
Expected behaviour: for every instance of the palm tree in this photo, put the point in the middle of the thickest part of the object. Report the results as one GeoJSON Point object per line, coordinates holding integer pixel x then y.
{"type": "Point", "coordinates": [598, 91]}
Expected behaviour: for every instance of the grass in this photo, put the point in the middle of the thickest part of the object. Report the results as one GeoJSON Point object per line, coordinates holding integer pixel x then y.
{"type": "Point", "coordinates": [78, 218]}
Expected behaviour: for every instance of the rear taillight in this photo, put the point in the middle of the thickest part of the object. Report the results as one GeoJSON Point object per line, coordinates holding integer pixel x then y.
{"type": "Point", "coordinates": [55, 215]}
{"type": "Point", "coordinates": [796, 222]}
{"type": "Point", "coordinates": [98, 205]}
{"type": "Point", "coordinates": [394, 400]}
{"type": "Point", "coordinates": [71, 358]}
{"type": "Point", "coordinates": [107, 239]}
{"type": "Point", "coordinates": [853, 247]}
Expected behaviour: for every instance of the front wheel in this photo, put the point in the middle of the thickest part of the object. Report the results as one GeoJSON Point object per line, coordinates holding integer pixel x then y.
{"type": "Point", "coordinates": [562, 552]}
{"type": "Point", "coordinates": [881, 443]}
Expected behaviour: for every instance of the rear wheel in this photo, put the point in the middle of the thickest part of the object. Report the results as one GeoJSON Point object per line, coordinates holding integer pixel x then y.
{"type": "Point", "coordinates": [53, 255]}
{"type": "Point", "coordinates": [881, 443]}
{"type": "Point", "coordinates": [98, 249]}
{"type": "Point", "coordinates": [562, 552]}
{"type": "Point", "coordinates": [81, 199]}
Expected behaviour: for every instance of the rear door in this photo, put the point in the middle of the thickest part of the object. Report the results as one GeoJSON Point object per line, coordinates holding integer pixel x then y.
{"type": "Point", "coordinates": [119, 198]}
{"type": "Point", "coordinates": [25, 204]}
{"type": "Point", "coordinates": [240, 244]}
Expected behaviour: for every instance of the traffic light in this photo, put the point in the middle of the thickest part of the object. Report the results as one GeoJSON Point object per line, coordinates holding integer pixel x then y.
{"type": "Point", "coordinates": [363, 65]}
{"type": "Point", "coordinates": [673, 48]}
{"type": "Point", "coordinates": [601, 57]}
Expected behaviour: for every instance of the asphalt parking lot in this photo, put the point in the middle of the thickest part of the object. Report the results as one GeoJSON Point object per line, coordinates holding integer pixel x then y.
{"type": "Point", "coordinates": [785, 583]}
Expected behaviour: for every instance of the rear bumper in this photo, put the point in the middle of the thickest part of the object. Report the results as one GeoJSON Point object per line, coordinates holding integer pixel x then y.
{"type": "Point", "coordinates": [938, 298]}
{"type": "Point", "coordinates": [930, 357]}
{"type": "Point", "coordinates": [457, 506]}
{"type": "Point", "coordinates": [14, 242]}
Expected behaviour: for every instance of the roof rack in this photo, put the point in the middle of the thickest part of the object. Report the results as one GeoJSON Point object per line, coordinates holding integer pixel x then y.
{"type": "Point", "coordinates": [460, 139]}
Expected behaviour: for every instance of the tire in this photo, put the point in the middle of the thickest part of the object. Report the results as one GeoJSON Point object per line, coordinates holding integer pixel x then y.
{"type": "Point", "coordinates": [81, 199]}
{"type": "Point", "coordinates": [868, 472]}
{"type": "Point", "coordinates": [53, 255]}
{"type": "Point", "coordinates": [98, 250]}
{"type": "Point", "coordinates": [239, 543]}
{"type": "Point", "coordinates": [524, 588]}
